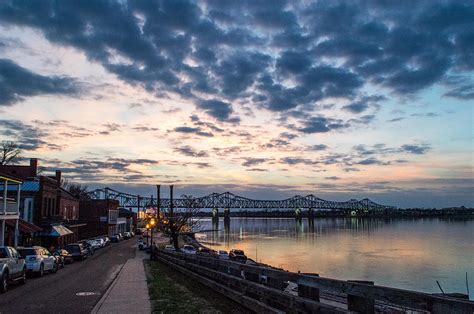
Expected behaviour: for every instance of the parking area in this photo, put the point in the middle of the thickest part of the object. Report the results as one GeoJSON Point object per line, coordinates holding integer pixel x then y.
{"type": "Point", "coordinates": [76, 288]}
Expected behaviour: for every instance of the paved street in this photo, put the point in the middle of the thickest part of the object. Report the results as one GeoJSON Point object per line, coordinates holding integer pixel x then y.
{"type": "Point", "coordinates": [56, 293]}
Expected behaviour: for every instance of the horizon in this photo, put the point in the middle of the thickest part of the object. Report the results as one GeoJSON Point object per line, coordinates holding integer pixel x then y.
{"type": "Point", "coordinates": [266, 100]}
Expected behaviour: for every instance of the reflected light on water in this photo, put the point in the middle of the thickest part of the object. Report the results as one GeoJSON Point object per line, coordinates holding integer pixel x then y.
{"type": "Point", "coordinates": [408, 253]}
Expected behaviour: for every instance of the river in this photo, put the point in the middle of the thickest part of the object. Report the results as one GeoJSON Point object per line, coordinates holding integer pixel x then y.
{"type": "Point", "coordinates": [403, 253]}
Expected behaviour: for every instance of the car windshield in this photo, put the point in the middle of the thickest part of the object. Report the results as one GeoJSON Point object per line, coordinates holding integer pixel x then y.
{"type": "Point", "coordinates": [72, 248]}
{"type": "Point", "coordinates": [26, 252]}
{"type": "Point", "coordinates": [239, 252]}
{"type": "Point", "coordinates": [3, 253]}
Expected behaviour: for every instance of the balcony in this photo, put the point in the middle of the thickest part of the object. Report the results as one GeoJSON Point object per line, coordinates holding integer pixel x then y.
{"type": "Point", "coordinates": [11, 207]}
{"type": "Point", "coordinates": [9, 204]}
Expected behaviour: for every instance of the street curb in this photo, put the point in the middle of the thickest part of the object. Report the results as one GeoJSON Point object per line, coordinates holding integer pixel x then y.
{"type": "Point", "coordinates": [97, 307]}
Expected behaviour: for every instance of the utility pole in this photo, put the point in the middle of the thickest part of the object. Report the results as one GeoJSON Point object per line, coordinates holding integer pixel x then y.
{"type": "Point", "coordinates": [158, 201]}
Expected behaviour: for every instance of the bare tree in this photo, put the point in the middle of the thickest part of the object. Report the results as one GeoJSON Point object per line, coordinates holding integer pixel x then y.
{"type": "Point", "coordinates": [77, 190]}
{"type": "Point", "coordinates": [176, 221]}
{"type": "Point", "coordinates": [10, 153]}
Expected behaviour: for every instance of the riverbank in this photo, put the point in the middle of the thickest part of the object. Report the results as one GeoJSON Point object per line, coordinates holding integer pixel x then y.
{"type": "Point", "coordinates": [172, 292]}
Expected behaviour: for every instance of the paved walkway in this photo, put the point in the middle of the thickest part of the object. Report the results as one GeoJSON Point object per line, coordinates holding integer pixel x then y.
{"type": "Point", "coordinates": [129, 291]}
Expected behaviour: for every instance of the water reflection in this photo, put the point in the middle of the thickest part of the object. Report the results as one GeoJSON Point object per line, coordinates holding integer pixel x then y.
{"type": "Point", "coordinates": [405, 253]}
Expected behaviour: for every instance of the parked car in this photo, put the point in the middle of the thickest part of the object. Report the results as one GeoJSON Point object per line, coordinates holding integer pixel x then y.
{"type": "Point", "coordinates": [95, 244]}
{"type": "Point", "coordinates": [88, 247]}
{"type": "Point", "coordinates": [169, 247]}
{"type": "Point", "coordinates": [189, 249]}
{"type": "Point", "coordinates": [222, 254]}
{"type": "Point", "coordinates": [205, 251]}
{"type": "Point", "coordinates": [68, 258]}
{"type": "Point", "coordinates": [238, 256]}
{"type": "Point", "coordinates": [77, 250]}
{"type": "Point", "coordinates": [100, 242]}
{"type": "Point", "coordinates": [127, 235]}
{"type": "Point", "coordinates": [115, 239]}
{"type": "Point", "coordinates": [119, 236]}
{"type": "Point", "coordinates": [38, 260]}
{"type": "Point", "coordinates": [12, 267]}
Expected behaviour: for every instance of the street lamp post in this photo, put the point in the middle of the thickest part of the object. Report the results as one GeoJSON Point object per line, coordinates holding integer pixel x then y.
{"type": "Point", "coordinates": [152, 225]}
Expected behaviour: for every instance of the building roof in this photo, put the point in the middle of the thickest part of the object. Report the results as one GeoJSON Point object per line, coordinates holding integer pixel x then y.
{"type": "Point", "coordinates": [9, 178]}
{"type": "Point", "coordinates": [27, 186]}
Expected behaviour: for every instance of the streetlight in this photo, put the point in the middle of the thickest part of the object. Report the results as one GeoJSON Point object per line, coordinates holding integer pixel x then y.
{"type": "Point", "coordinates": [152, 223]}
{"type": "Point", "coordinates": [147, 226]}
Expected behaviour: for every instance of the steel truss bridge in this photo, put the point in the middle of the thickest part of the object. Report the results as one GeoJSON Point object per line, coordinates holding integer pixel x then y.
{"type": "Point", "coordinates": [230, 200]}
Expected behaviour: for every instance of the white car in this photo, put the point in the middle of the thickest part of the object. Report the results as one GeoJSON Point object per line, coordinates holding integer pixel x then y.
{"type": "Point", "coordinates": [189, 249]}
{"type": "Point", "coordinates": [101, 241]}
{"type": "Point", "coordinates": [95, 244]}
{"type": "Point", "coordinates": [38, 260]}
{"type": "Point", "coordinates": [222, 254]}
{"type": "Point", "coordinates": [169, 247]}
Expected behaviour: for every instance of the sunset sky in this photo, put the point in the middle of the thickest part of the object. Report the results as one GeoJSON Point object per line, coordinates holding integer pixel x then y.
{"type": "Point", "coordinates": [266, 99]}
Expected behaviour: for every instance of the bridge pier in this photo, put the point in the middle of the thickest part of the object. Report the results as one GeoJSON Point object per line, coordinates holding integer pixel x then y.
{"type": "Point", "coordinates": [310, 213]}
{"type": "Point", "coordinates": [298, 214]}
{"type": "Point", "coordinates": [226, 215]}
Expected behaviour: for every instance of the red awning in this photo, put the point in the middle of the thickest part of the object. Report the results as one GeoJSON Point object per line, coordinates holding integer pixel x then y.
{"type": "Point", "coordinates": [24, 226]}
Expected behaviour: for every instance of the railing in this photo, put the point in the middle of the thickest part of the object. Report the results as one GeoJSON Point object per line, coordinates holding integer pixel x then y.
{"type": "Point", "coordinates": [11, 208]}
{"type": "Point", "coordinates": [260, 288]}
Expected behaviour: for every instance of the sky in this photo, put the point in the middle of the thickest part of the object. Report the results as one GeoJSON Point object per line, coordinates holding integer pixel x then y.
{"type": "Point", "coordinates": [265, 99]}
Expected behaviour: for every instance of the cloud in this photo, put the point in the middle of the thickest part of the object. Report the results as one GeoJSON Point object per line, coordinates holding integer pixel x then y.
{"type": "Point", "coordinates": [190, 152]}
{"type": "Point", "coordinates": [191, 130]}
{"type": "Point", "coordinates": [249, 162]}
{"type": "Point", "coordinates": [318, 147]}
{"type": "Point", "coordinates": [416, 149]}
{"type": "Point", "coordinates": [16, 83]}
{"type": "Point", "coordinates": [334, 178]}
{"type": "Point", "coordinates": [289, 55]}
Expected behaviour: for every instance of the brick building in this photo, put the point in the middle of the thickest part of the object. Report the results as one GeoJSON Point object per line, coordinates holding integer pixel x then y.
{"type": "Point", "coordinates": [101, 216]}
{"type": "Point", "coordinates": [45, 204]}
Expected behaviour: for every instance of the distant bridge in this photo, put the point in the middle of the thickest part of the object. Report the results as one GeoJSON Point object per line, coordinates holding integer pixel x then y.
{"type": "Point", "coordinates": [230, 200]}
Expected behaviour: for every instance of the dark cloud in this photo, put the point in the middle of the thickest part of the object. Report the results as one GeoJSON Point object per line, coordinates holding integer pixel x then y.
{"type": "Point", "coordinates": [297, 160]}
{"type": "Point", "coordinates": [191, 130]}
{"type": "Point", "coordinates": [341, 47]}
{"type": "Point", "coordinates": [318, 147]}
{"type": "Point", "coordinates": [249, 162]}
{"type": "Point", "coordinates": [416, 149]}
{"type": "Point", "coordinates": [16, 83]}
{"type": "Point", "coordinates": [191, 152]}
{"type": "Point", "coordinates": [334, 178]}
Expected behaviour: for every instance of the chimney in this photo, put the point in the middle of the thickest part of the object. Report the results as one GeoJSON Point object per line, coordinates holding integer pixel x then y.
{"type": "Point", "coordinates": [34, 166]}
{"type": "Point", "coordinates": [58, 177]}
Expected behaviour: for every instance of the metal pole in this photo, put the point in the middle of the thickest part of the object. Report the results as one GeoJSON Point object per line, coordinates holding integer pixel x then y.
{"type": "Point", "coordinates": [138, 205]}
{"type": "Point", "coordinates": [152, 246]}
{"type": "Point", "coordinates": [158, 201]}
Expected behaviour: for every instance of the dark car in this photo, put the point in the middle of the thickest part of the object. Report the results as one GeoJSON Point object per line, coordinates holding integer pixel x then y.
{"type": "Point", "coordinates": [77, 250]}
{"type": "Point", "coordinates": [205, 252]}
{"type": "Point", "coordinates": [115, 239]}
{"type": "Point", "coordinates": [67, 257]}
{"type": "Point", "coordinates": [238, 256]}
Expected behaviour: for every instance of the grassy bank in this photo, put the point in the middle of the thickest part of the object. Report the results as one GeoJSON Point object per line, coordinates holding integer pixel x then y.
{"type": "Point", "coordinates": [172, 292]}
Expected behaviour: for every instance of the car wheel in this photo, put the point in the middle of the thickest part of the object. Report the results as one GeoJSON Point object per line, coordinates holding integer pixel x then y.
{"type": "Point", "coordinates": [4, 283]}
{"type": "Point", "coordinates": [23, 277]}
{"type": "Point", "coordinates": [41, 271]}
{"type": "Point", "coordinates": [55, 268]}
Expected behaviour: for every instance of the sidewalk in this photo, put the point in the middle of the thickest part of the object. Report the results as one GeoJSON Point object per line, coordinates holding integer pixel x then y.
{"type": "Point", "coordinates": [129, 291]}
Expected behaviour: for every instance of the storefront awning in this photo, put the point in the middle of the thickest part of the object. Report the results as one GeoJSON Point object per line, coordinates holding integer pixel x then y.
{"type": "Point", "coordinates": [24, 226]}
{"type": "Point", "coordinates": [59, 231]}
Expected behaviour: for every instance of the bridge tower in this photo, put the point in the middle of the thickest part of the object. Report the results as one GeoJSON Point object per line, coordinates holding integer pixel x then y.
{"type": "Point", "coordinates": [215, 214]}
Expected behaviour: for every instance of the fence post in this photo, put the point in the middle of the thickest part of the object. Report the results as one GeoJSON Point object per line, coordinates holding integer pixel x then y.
{"type": "Point", "coordinates": [308, 292]}
{"type": "Point", "coordinates": [360, 304]}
